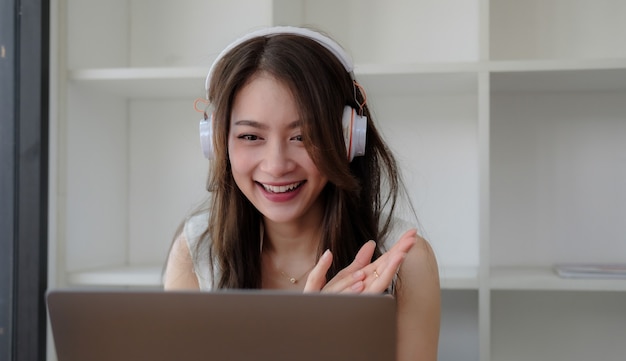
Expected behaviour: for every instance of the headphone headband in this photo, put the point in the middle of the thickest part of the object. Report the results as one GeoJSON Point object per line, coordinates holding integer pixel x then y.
{"type": "Point", "coordinates": [325, 41]}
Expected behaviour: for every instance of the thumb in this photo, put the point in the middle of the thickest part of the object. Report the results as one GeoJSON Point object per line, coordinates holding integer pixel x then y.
{"type": "Point", "coordinates": [317, 277]}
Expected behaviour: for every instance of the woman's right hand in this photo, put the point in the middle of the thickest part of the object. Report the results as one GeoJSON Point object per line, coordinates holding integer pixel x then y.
{"type": "Point", "coordinates": [362, 275]}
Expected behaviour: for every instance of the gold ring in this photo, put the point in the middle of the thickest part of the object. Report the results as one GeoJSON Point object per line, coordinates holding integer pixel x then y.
{"type": "Point", "coordinates": [375, 274]}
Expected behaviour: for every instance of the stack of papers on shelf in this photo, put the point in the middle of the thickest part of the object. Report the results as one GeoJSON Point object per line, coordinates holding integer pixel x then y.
{"type": "Point", "coordinates": [591, 270]}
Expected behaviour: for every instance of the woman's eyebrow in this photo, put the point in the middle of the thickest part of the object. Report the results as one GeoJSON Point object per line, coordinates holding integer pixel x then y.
{"type": "Point", "coordinates": [252, 123]}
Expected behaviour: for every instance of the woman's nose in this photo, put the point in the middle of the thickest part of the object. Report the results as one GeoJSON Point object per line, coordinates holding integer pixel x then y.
{"type": "Point", "coordinates": [276, 159]}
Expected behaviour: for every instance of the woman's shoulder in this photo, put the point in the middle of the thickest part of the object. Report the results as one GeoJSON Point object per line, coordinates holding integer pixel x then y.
{"type": "Point", "coordinates": [199, 244]}
{"type": "Point", "coordinates": [418, 295]}
{"type": "Point", "coordinates": [195, 225]}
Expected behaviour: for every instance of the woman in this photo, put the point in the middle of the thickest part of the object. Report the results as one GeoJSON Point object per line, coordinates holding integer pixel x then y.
{"type": "Point", "coordinates": [301, 182]}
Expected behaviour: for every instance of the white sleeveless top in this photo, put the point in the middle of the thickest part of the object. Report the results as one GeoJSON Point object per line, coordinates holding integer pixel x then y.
{"type": "Point", "coordinates": [197, 224]}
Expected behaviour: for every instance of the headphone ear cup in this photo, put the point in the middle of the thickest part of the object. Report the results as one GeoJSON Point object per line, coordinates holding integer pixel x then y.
{"type": "Point", "coordinates": [354, 132]}
{"type": "Point", "coordinates": [206, 136]}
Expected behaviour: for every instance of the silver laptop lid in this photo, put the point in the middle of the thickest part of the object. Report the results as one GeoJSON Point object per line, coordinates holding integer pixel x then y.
{"type": "Point", "coordinates": [234, 325]}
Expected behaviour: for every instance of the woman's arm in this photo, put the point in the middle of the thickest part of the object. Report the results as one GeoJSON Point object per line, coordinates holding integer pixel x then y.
{"type": "Point", "coordinates": [418, 298]}
{"type": "Point", "coordinates": [179, 273]}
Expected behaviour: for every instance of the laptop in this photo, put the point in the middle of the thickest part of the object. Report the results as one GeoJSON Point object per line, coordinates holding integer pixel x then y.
{"type": "Point", "coordinates": [90, 325]}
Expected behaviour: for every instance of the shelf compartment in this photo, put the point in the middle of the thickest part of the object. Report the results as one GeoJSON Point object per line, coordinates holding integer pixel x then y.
{"type": "Point", "coordinates": [459, 336]}
{"type": "Point", "coordinates": [546, 77]}
{"type": "Point", "coordinates": [558, 167]}
{"type": "Point", "coordinates": [392, 31]}
{"type": "Point", "coordinates": [557, 326]}
{"type": "Point", "coordinates": [134, 170]}
{"type": "Point", "coordinates": [556, 29]}
{"type": "Point", "coordinates": [140, 33]}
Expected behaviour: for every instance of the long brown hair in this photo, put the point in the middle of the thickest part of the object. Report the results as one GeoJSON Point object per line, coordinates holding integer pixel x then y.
{"type": "Point", "coordinates": [360, 196]}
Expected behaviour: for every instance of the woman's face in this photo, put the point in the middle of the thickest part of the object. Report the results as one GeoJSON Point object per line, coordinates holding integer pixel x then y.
{"type": "Point", "coordinates": [268, 159]}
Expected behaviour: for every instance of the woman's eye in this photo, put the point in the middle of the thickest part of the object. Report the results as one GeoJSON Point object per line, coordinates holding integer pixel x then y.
{"type": "Point", "coordinates": [248, 137]}
{"type": "Point", "coordinates": [297, 138]}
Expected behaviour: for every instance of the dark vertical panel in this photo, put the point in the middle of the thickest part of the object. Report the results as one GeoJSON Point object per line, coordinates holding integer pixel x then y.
{"type": "Point", "coordinates": [7, 173]}
{"type": "Point", "coordinates": [32, 184]}
{"type": "Point", "coordinates": [23, 178]}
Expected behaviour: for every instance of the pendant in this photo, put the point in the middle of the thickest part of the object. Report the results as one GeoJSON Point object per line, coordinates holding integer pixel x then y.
{"type": "Point", "coordinates": [293, 280]}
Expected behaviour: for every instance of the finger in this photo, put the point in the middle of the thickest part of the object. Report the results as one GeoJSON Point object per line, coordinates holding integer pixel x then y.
{"type": "Point", "coordinates": [402, 246]}
{"type": "Point", "coordinates": [364, 256]}
{"type": "Point", "coordinates": [382, 276]}
{"type": "Point", "coordinates": [317, 277]}
{"type": "Point", "coordinates": [377, 282]}
{"type": "Point", "coordinates": [390, 272]}
{"type": "Point", "coordinates": [345, 282]}
{"type": "Point", "coordinates": [356, 287]}
{"type": "Point", "coordinates": [345, 278]}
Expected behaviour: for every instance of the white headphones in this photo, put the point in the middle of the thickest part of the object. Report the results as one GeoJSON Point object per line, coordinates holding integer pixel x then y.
{"type": "Point", "coordinates": [354, 124]}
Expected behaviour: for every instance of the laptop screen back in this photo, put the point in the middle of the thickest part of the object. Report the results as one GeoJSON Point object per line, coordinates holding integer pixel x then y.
{"type": "Point", "coordinates": [237, 325]}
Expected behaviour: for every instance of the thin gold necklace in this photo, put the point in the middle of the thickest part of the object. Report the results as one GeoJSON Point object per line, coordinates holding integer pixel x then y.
{"type": "Point", "coordinates": [294, 280]}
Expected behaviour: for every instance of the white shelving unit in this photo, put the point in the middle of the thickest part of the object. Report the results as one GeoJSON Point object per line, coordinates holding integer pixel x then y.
{"type": "Point", "coordinates": [508, 118]}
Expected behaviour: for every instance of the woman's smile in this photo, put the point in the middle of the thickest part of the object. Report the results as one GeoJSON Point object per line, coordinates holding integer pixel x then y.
{"type": "Point", "coordinates": [281, 188]}
{"type": "Point", "coordinates": [282, 193]}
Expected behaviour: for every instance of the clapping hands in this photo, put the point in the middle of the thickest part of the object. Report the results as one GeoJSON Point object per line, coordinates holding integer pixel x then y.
{"type": "Point", "coordinates": [362, 275]}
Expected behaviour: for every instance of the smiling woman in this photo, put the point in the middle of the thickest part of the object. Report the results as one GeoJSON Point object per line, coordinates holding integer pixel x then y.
{"type": "Point", "coordinates": [303, 188]}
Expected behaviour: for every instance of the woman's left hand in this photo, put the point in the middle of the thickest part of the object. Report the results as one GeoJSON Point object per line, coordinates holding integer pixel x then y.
{"type": "Point", "coordinates": [362, 275]}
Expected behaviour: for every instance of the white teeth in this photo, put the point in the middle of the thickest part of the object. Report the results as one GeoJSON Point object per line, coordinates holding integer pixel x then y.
{"type": "Point", "coordinates": [281, 189]}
